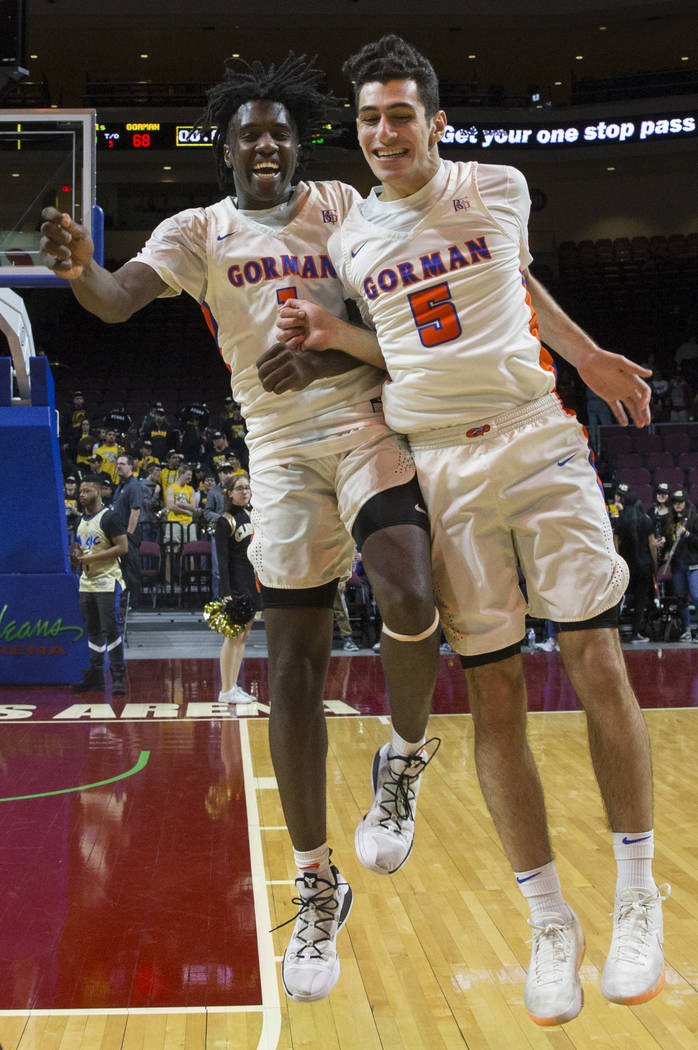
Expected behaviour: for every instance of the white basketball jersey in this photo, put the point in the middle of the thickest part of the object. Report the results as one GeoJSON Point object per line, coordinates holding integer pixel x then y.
{"type": "Point", "coordinates": [440, 274]}
{"type": "Point", "coordinates": [240, 270]}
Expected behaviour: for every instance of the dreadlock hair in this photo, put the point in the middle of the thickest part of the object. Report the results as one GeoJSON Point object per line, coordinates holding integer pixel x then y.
{"type": "Point", "coordinates": [392, 58]}
{"type": "Point", "coordinates": [294, 83]}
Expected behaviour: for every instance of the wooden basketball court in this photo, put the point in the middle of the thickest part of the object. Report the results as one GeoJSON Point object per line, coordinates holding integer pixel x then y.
{"type": "Point", "coordinates": [145, 861]}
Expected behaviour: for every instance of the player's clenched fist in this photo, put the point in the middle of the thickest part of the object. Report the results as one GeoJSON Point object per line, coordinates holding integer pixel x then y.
{"type": "Point", "coordinates": [66, 247]}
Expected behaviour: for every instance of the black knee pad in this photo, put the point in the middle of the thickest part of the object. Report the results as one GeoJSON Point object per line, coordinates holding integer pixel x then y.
{"type": "Point", "coordinates": [397, 506]}
{"type": "Point", "coordinates": [321, 597]}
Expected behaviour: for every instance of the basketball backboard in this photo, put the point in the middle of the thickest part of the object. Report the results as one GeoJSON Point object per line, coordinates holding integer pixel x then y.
{"type": "Point", "coordinates": [48, 158]}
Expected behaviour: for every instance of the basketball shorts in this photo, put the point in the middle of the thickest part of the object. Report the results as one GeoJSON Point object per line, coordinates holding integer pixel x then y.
{"type": "Point", "coordinates": [304, 509]}
{"type": "Point", "coordinates": [516, 494]}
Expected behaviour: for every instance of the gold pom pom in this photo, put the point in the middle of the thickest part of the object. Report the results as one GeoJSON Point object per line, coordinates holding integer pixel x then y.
{"type": "Point", "coordinates": [217, 617]}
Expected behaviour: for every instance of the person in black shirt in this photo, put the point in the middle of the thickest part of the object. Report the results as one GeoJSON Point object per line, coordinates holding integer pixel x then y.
{"type": "Point", "coordinates": [232, 538]}
{"type": "Point", "coordinates": [637, 544]}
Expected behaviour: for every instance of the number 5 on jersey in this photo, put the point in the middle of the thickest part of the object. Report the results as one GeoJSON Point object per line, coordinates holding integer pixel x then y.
{"type": "Point", "coordinates": [435, 315]}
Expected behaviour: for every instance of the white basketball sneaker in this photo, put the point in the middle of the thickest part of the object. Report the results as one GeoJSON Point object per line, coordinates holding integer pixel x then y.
{"type": "Point", "coordinates": [310, 967]}
{"type": "Point", "coordinates": [241, 697]}
{"type": "Point", "coordinates": [553, 992]}
{"type": "Point", "coordinates": [384, 838]}
{"type": "Point", "coordinates": [634, 970]}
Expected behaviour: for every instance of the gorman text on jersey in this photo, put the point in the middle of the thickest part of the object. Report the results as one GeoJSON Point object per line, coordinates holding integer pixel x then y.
{"type": "Point", "coordinates": [426, 267]}
{"type": "Point", "coordinates": [271, 268]}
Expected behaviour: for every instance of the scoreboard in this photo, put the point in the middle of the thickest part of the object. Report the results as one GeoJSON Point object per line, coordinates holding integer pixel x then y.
{"type": "Point", "coordinates": [150, 135]}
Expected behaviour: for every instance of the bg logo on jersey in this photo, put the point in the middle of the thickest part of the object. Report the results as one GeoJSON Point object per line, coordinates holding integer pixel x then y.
{"type": "Point", "coordinates": [329, 216]}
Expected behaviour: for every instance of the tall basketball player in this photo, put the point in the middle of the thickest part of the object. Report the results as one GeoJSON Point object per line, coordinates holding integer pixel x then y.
{"type": "Point", "coordinates": [326, 471]}
{"type": "Point", "coordinates": [437, 257]}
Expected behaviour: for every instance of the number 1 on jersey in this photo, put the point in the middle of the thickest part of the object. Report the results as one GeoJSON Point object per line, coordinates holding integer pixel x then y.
{"type": "Point", "coordinates": [435, 315]}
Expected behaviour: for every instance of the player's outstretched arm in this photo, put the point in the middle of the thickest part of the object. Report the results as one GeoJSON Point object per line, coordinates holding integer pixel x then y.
{"type": "Point", "coordinates": [616, 379]}
{"type": "Point", "coordinates": [68, 250]}
{"type": "Point", "coordinates": [281, 369]}
{"type": "Point", "coordinates": [303, 325]}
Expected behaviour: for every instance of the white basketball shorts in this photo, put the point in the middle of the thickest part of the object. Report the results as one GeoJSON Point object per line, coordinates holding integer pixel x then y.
{"type": "Point", "coordinates": [516, 492]}
{"type": "Point", "coordinates": [304, 509]}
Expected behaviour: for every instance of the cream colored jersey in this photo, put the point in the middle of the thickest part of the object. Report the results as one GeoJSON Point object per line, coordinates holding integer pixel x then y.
{"type": "Point", "coordinates": [240, 270]}
{"type": "Point", "coordinates": [95, 533]}
{"type": "Point", "coordinates": [440, 273]}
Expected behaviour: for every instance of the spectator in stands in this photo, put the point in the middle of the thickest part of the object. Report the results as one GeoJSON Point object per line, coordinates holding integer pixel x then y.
{"type": "Point", "coordinates": [659, 512]}
{"type": "Point", "coordinates": [109, 450]}
{"type": "Point", "coordinates": [179, 498]}
{"type": "Point", "coordinates": [87, 443]}
{"type": "Point", "coordinates": [72, 512]}
{"type": "Point", "coordinates": [682, 544]}
{"type": "Point", "coordinates": [598, 415]}
{"type": "Point", "coordinates": [72, 421]}
{"type": "Point", "coordinates": [680, 398]}
{"type": "Point", "coordinates": [152, 503]}
{"type": "Point", "coordinates": [225, 419]}
{"type": "Point", "coordinates": [96, 468]}
{"type": "Point", "coordinates": [107, 492]}
{"type": "Point", "coordinates": [660, 396]}
{"type": "Point", "coordinates": [235, 430]}
{"type": "Point", "coordinates": [215, 506]}
{"type": "Point", "coordinates": [233, 535]}
{"type": "Point", "coordinates": [148, 420]}
{"type": "Point", "coordinates": [193, 441]}
{"type": "Point", "coordinates": [145, 459]}
{"type": "Point", "coordinates": [341, 618]}
{"type": "Point", "coordinates": [162, 436]}
{"type": "Point", "coordinates": [686, 358]}
{"type": "Point", "coordinates": [220, 453]}
{"type": "Point", "coordinates": [637, 544]}
{"type": "Point", "coordinates": [127, 504]}
{"type": "Point", "coordinates": [169, 472]}
{"type": "Point", "coordinates": [119, 421]}
{"type": "Point", "coordinates": [196, 410]}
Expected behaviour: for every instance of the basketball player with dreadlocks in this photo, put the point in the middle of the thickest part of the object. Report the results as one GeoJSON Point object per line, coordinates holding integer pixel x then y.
{"type": "Point", "coordinates": [326, 471]}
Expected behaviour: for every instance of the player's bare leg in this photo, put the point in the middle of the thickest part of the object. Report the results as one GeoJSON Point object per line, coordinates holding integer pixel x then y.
{"type": "Point", "coordinates": [398, 562]}
{"type": "Point", "coordinates": [512, 789]}
{"type": "Point", "coordinates": [299, 642]}
{"type": "Point", "coordinates": [505, 766]}
{"type": "Point", "coordinates": [618, 738]}
{"type": "Point", "coordinates": [620, 753]}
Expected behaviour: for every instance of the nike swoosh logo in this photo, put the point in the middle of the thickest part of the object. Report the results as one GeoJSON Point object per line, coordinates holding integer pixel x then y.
{"type": "Point", "coordinates": [630, 842]}
{"type": "Point", "coordinates": [222, 237]}
{"type": "Point", "coordinates": [353, 254]}
{"type": "Point", "coordinates": [561, 462]}
{"type": "Point", "coordinates": [420, 509]}
{"type": "Point", "coordinates": [528, 877]}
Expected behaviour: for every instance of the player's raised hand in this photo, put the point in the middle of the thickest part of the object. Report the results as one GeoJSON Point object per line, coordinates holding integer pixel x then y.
{"type": "Point", "coordinates": [303, 325]}
{"type": "Point", "coordinates": [619, 381]}
{"type": "Point", "coordinates": [66, 247]}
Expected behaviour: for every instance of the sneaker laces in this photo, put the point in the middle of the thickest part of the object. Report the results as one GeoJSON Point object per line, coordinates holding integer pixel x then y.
{"type": "Point", "coordinates": [316, 913]}
{"type": "Point", "coordinates": [552, 945]}
{"type": "Point", "coordinates": [398, 795]}
{"type": "Point", "coordinates": [634, 926]}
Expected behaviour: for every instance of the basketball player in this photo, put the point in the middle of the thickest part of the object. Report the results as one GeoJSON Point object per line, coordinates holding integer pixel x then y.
{"type": "Point", "coordinates": [326, 470]}
{"type": "Point", "coordinates": [437, 256]}
{"type": "Point", "coordinates": [100, 542]}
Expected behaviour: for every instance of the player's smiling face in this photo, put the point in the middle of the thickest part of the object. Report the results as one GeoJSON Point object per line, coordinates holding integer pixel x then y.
{"type": "Point", "coordinates": [398, 140]}
{"type": "Point", "coordinates": [262, 150]}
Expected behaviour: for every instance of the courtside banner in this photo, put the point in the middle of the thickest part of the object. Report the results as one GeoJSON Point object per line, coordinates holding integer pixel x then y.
{"type": "Point", "coordinates": [670, 127]}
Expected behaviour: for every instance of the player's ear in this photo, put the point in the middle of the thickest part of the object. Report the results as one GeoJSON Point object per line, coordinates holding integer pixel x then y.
{"type": "Point", "coordinates": [438, 126]}
{"type": "Point", "coordinates": [227, 159]}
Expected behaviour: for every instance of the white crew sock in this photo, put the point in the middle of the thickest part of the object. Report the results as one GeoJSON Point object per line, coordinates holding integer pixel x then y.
{"type": "Point", "coordinates": [400, 746]}
{"type": "Point", "coordinates": [316, 860]}
{"type": "Point", "coordinates": [541, 888]}
{"type": "Point", "coordinates": [634, 852]}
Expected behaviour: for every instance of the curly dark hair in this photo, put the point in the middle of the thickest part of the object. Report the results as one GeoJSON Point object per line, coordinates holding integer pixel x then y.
{"type": "Point", "coordinates": [295, 83]}
{"type": "Point", "coordinates": [392, 58]}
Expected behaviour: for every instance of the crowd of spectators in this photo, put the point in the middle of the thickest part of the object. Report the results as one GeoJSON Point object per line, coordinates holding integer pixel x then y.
{"type": "Point", "coordinates": [165, 476]}
{"type": "Point", "coordinates": [162, 476]}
